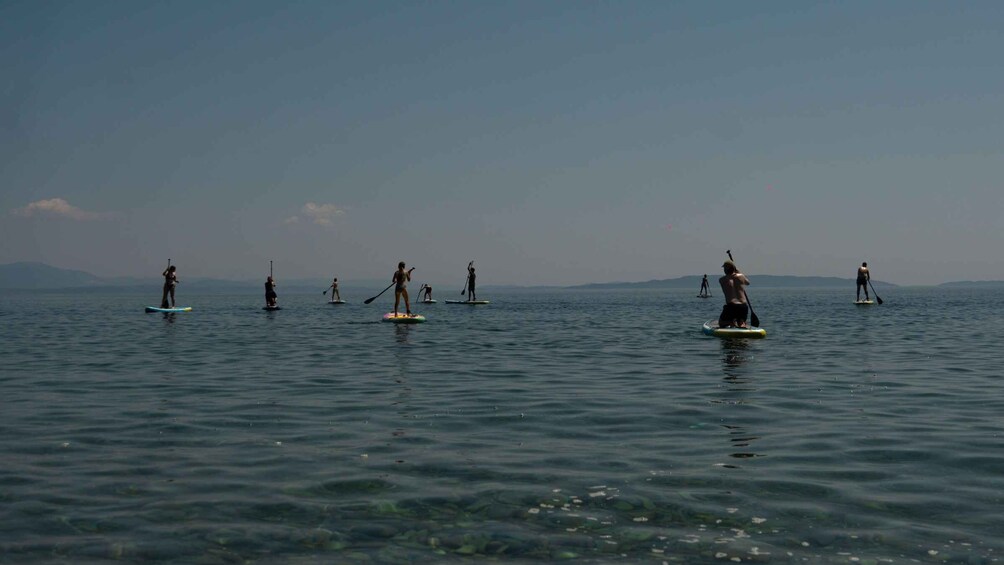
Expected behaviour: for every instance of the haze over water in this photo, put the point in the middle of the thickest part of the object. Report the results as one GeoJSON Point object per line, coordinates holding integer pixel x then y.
{"type": "Point", "coordinates": [582, 426]}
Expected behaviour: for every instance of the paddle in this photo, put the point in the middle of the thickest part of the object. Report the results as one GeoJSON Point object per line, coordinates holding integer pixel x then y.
{"type": "Point", "coordinates": [467, 280]}
{"type": "Point", "coordinates": [163, 303]}
{"type": "Point", "coordinates": [469, 265]}
{"type": "Point", "coordinates": [368, 300]}
{"type": "Point", "coordinates": [754, 319]}
{"type": "Point", "coordinates": [873, 291]}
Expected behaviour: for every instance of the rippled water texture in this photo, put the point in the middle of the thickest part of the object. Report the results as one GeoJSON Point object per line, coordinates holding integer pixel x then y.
{"type": "Point", "coordinates": [582, 426]}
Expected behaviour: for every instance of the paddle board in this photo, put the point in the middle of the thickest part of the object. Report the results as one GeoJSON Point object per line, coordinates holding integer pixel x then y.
{"type": "Point", "coordinates": [469, 302]}
{"type": "Point", "coordinates": [271, 308]}
{"type": "Point", "coordinates": [699, 296]}
{"type": "Point", "coordinates": [336, 302]}
{"type": "Point", "coordinates": [427, 301]}
{"type": "Point", "coordinates": [403, 318]}
{"type": "Point", "coordinates": [711, 328]}
{"type": "Point", "coordinates": [864, 302]}
{"type": "Point", "coordinates": [169, 310]}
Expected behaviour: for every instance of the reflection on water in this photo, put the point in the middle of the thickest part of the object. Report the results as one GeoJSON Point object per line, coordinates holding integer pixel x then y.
{"type": "Point", "coordinates": [738, 387]}
{"type": "Point", "coordinates": [401, 333]}
{"type": "Point", "coordinates": [735, 354]}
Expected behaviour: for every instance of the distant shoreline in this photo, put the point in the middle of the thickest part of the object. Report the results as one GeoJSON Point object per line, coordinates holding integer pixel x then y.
{"type": "Point", "coordinates": [42, 277]}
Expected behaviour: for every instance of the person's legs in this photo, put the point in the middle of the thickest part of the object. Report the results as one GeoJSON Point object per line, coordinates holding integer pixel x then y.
{"type": "Point", "coordinates": [163, 299]}
{"type": "Point", "coordinates": [397, 300]}
{"type": "Point", "coordinates": [723, 319]}
{"type": "Point", "coordinates": [172, 297]}
{"type": "Point", "coordinates": [407, 304]}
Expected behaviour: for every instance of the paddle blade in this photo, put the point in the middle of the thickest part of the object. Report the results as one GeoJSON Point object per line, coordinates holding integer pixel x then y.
{"type": "Point", "coordinates": [754, 319]}
{"type": "Point", "coordinates": [368, 300]}
{"type": "Point", "coordinates": [878, 299]}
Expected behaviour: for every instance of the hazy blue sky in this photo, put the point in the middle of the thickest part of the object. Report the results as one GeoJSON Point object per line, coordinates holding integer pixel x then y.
{"type": "Point", "coordinates": [552, 142]}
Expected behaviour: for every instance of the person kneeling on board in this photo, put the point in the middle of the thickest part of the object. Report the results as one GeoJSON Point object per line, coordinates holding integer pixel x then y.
{"type": "Point", "coordinates": [735, 310]}
{"type": "Point", "coordinates": [428, 293]}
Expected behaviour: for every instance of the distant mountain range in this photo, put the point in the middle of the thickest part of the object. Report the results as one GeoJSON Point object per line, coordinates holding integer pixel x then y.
{"type": "Point", "coordinates": [39, 276]}
{"type": "Point", "coordinates": [973, 284]}
{"type": "Point", "coordinates": [760, 281]}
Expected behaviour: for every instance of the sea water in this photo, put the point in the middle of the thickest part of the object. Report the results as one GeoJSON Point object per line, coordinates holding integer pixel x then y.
{"type": "Point", "coordinates": [589, 427]}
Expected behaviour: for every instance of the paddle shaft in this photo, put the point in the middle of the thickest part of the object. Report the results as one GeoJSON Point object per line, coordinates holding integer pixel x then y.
{"type": "Point", "coordinates": [754, 319]}
{"type": "Point", "coordinates": [368, 300]}
{"type": "Point", "coordinates": [468, 279]}
{"type": "Point", "coordinates": [873, 291]}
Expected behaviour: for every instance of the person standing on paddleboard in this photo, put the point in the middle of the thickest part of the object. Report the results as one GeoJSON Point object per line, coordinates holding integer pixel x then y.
{"type": "Point", "coordinates": [334, 290]}
{"type": "Point", "coordinates": [735, 310]}
{"type": "Point", "coordinates": [400, 280]}
{"type": "Point", "coordinates": [428, 293]}
{"type": "Point", "coordinates": [470, 281]}
{"type": "Point", "coordinates": [863, 277]}
{"type": "Point", "coordinates": [270, 295]}
{"type": "Point", "coordinates": [170, 281]}
{"type": "Point", "coordinates": [705, 288]}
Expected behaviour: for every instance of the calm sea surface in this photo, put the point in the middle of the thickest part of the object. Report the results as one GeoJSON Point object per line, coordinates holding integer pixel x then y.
{"type": "Point", "coordinates": [590, 427]}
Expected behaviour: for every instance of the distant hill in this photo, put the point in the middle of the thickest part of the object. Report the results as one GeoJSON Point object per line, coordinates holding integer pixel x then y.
{"type": "Point", "coordinates": [972, 284]}
{"type": "Point", "coordinates": [760, 281]}
{"type": "Point", "coordinates": [42, 276]}
{"type": "Point", "coordinates": [39, 276]}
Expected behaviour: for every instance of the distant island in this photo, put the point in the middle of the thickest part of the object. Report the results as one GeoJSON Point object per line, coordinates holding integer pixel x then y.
{"type": "Point", "coordinates": [40, 276]}
{"type": "Point", "coordinates": [972, 284]}
{"type": "Point", "coordinates": [760, 281]}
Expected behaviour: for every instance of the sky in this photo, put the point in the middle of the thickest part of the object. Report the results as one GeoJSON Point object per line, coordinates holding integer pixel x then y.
{"type": "Point", "coordinates": [553, 143]}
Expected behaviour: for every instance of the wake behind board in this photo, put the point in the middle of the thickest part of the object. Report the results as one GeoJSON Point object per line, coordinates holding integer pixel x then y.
{"type": "Point", "coordinates": [336, 302]}
{"type": "Point", "coordinates": [864, 302]}
{"type": "Point", "coordinates": [468, 302]}
{"type": "Point", "coordinates": [711, 328]}
{"type": "Point", "coordinates": [272, 308]}
{"type": "Point", "coordinates": [400, 318]}
{"type": "Point", "coordinates": [168, 310]}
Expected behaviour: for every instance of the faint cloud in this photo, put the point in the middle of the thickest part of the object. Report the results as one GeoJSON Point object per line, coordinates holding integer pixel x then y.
{"type": "Point", "coordinates": [320, 214]}
{"type": "Point", "coordinates": [56, 207]}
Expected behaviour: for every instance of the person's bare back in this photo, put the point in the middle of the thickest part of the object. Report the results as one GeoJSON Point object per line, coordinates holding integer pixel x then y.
{"type": "Point", "coordinates": [732, 286]}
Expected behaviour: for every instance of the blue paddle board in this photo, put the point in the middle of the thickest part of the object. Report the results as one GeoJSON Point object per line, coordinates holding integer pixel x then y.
{"type": "Point", "coordinates": [169, 310]}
